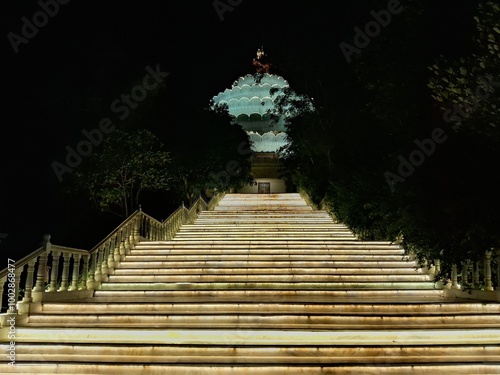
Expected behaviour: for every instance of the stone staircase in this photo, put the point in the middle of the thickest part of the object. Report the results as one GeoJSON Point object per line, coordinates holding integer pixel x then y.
{"type": "Point", "coordinates": [261, 285]}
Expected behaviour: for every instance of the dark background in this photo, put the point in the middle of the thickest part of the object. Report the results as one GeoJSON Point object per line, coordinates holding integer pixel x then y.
{"type": "Point", "coordinates": [66, 77]}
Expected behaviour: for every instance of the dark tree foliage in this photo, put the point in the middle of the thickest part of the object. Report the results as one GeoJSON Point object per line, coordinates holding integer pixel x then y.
{"type": "Point", "coordinates": [209, 153]}
{"type": "Point", "coordinates": [377, 148]}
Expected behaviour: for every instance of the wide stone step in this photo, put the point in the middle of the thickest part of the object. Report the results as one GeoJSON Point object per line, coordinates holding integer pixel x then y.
{"type": "Point", "coordinates": [340, 244]}
{"type": "Point", "coordinates": [241, 306]}
{"type": "Point", "coordinates": [267, 228]}
{"type": "Point", "coordinates": [465, 368]}
{"type": "Point", "coordinates": [266, 320]}
{"type": "Point", "coordinates": [305, 233]}
{"type": "Point", "coordinates": [366, 294]}
{"type": "Point", "coordinates": [267, 271]}
{"type": "Point", "coordinates": [254, 278]}
{"type": "Point", "coordinates": [260, 337]}
{"type": "Point", "coordinates": [262, 263]}
{"type": "Point", "coordinates": [272, 250]}
{"type": "Point", "coordinates": [260, 285]}
{"type": "Point", "coordinates": [251, 355]}
{"type": "Point", "coordinates": [263, 256]}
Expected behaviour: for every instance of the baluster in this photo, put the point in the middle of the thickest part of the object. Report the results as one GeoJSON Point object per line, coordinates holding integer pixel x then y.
{"type": "Point", "coordinates": [111, 254]}
{"type": "Point", "coordinates": [137, 229]}
{"type": "Point", "coordinates": [454, 277]}
{"type": "Point", "coordinates": [54, 274]}
{"type": "Point", "coordinates": [497, 253]}
{"type": "Point", "coordinates": [29, 281]}
{"type": "Point", "coordinates": [488, 285]}
{"type": "Point", "coordinates": [122, 250]}
{"type": "Point", "coordinates": [149, 228]}
{"type": "Point", "coordinates": [437, 266]}
{"type": "Point", "coordinates": [91, 271]}
{"type": "Point", "coordinates": [128, 236]}
{"type": "Point", "coordinates": [42, 272]}
{"type": "Point", "coordinates": [98, 270]}
{"type": "Point", "coordinates": [104, 265]}
{"type": "Point", "coordinates": [3, 280]}
{"type": "Point", "coordinates": [117, 249]}
{"type": "Point", "coordinates": [85, 271]}
{"type": "Point", "coordinates": [65, 273]}
{"type": "Point", "coordinates": [18, 271]}
{"type": "Point", "coordinates": [76, 272]}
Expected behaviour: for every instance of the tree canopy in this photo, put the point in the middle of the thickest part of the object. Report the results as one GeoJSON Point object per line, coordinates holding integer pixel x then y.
{"type": "Point", "coordinates": [379, 151]}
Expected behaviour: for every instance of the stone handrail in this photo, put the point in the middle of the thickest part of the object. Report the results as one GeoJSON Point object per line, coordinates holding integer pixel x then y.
{"type": "Point", "coordinates": [52, 268]}
{"type": "Point", "coordinates": [479, 280]}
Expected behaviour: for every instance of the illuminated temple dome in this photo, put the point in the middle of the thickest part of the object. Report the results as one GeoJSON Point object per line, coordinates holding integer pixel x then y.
{"type": "Point", "coordinates": [249, 100]}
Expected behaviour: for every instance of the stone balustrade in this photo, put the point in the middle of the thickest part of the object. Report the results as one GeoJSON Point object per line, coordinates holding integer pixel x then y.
{"type": "Point", "coordinates": [52, 271]}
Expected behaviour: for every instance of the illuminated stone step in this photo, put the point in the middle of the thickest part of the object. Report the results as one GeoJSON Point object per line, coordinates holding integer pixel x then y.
{"type": "Point", "coordinates": [250, 355]}
{"type": "Point", "coordinates": [237, 337]}
{"type": "Point", "coordinates": [350, 244]}
{"type": "Point", "coordinates": [265, 320]}
{"type": "Point", "coordinates": [216, 369]}
{"type": "Point", "coordinates": [304, 232]}
{"type": "Point", "coordinates": [268, 220]}
{"type": "Point", "coordinates": [259, 236]}
{"type": "Point", "coordinates": [297, 216]}
{"type": "Point", "coordinates": [261, 285]}
{"type": "Point", "coordinates": [259, 251]}
{"type": "Point", "coordinates": [241, 306]}
{"type": "Point", "coordinates": [248, 369]}
{"type": "Point", "coordinates": [289, 242]}
{"type": "Point", "coordinates": [290, 226]}
{"type": "Point", "coordinates": [252, 278]}
{"type": "Point", "coordinates": [262, 207]}
{"type": "Point", "coordinates": [375, 294]}
{"type": "Point", "coordinates": [270, 231]}
{"type": "Point", "coordinates": [270, 256]}
{"type": "Point", "coordinates": [262, 263]}
{"type": "Point", "coordinates": [267, 271]}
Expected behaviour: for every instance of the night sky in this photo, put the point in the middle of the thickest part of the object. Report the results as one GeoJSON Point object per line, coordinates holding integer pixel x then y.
{"type": "Point", "coordinates": [65, 78]}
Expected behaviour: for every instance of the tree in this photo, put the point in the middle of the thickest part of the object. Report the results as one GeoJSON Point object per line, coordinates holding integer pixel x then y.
{"type": "Point", "coordinates": [209, 153]}
{"type": "Point", "coordinates": [370, 114]}
{"type": "Point", "coordinates": [126, 165]}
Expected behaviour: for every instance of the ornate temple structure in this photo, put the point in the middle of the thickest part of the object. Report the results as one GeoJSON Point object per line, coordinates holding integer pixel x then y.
{"type": "Point", "coordinates": [249, 101]}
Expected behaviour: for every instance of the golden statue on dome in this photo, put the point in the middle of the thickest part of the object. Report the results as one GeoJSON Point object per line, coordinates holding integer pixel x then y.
{"type": "Point", "coordinates": [260, 63]}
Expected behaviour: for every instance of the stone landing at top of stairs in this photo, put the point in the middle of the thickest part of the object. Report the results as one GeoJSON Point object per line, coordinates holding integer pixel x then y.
{"type": "Point", "coordinates": [263, 284]}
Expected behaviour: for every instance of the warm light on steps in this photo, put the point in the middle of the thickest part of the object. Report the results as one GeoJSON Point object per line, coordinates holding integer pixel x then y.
{"type": "Point", "coordinates": [344, 244]}
{"type": "Point", "coordinates": [258, 285]}
{"type": "Point", "coordinates": [266, 271]}
{"type": "Point", "coordinates": [257, 320]}
{"type": "Point", "coordinates": [263, 263]}
{"type": "Point", "coordinates": [251, 369]}
{"type": "Point", "coordinates": [298, 355]}
{"type": "Point", "coordinates": [261, 337]}
{"type": "Point", "coordinates": [271, 255]}
{"type": "Point", "coordinates": [265, 278]}
{"type": "Point", "coordinates": [277, 293]}
{"type": "Point", "coordinates": [240, 306]}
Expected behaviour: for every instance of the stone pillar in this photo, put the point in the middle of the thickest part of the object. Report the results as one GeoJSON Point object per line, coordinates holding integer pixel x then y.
{"type": "Point", "coordinates": [488, 285]}
{"type": "Point", "coordinates": [76, 272]}
{"type": "Point", "coordinates": [29, 282]}
{"type": "Point", "coordinates": [65, 273]}
{"type": "Point", "coordinates": [454, 277]}
{"type": "Point", "coordinates": [42, 273]}
{"type": "Point", "coordinates": [54, 271]}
